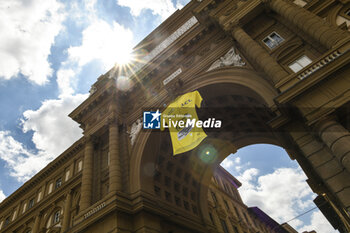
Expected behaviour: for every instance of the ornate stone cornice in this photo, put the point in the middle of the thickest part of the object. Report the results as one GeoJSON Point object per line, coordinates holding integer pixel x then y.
{"type": "Point", "coordinates": [93, 100]}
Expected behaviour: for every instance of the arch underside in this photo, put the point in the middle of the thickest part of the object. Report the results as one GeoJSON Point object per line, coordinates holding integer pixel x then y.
{"type": "Point", "coordinates": [182, 180]}
{"type": "Point", "coordinates": [234, 89]}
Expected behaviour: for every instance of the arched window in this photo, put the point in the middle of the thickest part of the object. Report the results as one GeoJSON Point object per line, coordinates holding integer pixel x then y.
{"type": "Point", "coordinates": [56, 217]}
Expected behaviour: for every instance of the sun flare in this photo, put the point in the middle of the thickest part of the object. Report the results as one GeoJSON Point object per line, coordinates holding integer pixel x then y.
{"type": "Point", "coordinates": [124, 57]}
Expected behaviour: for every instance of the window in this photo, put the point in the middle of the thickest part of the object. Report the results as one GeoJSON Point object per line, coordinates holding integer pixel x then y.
{"type": "Point", "coordinates": [211, 219]}
{"type": "Point", "coordinates": [7, 221]}
{"type": "Point", "coordinates": [246, 218]}
{"type": "Point", "coordinates": [178, 172]}
{"type": "Point", "coordinates": [67, 175]}
{"type": "Point", "coordinates": [58, 183]}
{"type": "Point", "coordinates": [178, 201]}
{"type": "Point", "coordinates": [216, 180]}
{"type": "Point", "coordinates": [14, 216]}
{"type": "Point", "coordinates": [186, 205]}
{"type": "Point", "coordinates": [273, 40]}
{"type": "Point", "coordinates": [50, 188]}
{"type": "Point", "coordinates": [56, 217]}
{"type": "Point", "coordinates": [157, 190]}
{"type": "Point", "coordinates": [224, 226]}
{"type": "Point", "coordinates": [177, 187]}
{"type": "Point", "coordinates": [167, 181]}
{"type": "Point", "coordinates": [193, 196]}
{"type": "Point", "coordinates": [80, 165]}
{"type": "Point", "coordinates": [39, 196]}
{"type": "Point", "coordinates": [254, 222]}
{"type": "Point", "coordinates": [167, 196]}
{"type": "Point", "coordinates": [226, 205]}
{"type": "Point", "coordinates": [194, 209]}
{"type": "Point", "coordinates": [185, 191]}
{"type": "Point", "coordinates": [31, 203]}
{"type": "Point", "coordinates": [24, 207]}
{"type": "Point", "coordinates": [214, 197]}
{"type": "Point", "coordinates": [235, 229]}
{"type": "Point", "coordinates": [300, 63]}
{"type": "Point", "coordinates": [157, 176]}
{"type": "Point", "coordinates": [225, 187]}
{"type": "Point", "coordinates": [237, 213]}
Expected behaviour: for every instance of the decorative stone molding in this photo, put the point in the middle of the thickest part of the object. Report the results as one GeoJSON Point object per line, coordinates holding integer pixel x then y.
{"type": "Point", "coordinates": [325, 61]}
{"type": "Point", "coordinates": [134, 131]}
{"type": "Point", "coordinates": [229, 59]}
{"type": "Point", "coordinates": [93, 89]}
{"type": "Point", "coordinates": [94, 210]}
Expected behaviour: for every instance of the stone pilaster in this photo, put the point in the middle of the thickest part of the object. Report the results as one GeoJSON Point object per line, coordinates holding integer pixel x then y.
{"type": "Point", "coordinates": [259, 55]}
{"type": "Point", "coordinates": [311, 24]}
{"type": "Point", "coordinates": [66, 212]}
{"type": "Point", "coordinates": [86, 184]}
{"type": "Point", "coordinates": [323, 161]}
{"type": "Point", "coordinates": [337, 138]}
{"type": "Point", "coordinates": [37, 223]}
{"type": "Point", "coordinates": [115, 181]}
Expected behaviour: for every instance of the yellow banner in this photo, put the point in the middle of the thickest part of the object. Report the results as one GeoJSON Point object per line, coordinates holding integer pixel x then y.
{"type": "Point", "coordinates": [180, 117]}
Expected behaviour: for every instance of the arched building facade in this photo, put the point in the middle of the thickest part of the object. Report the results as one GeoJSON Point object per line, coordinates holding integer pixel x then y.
{"type": "Point", "coordinates": [274, 71]}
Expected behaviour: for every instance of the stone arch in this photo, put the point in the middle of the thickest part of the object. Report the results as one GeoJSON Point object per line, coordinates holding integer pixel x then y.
{"type": "Point", "coordinates": [235, 75]}
{"type": "Point", "coordinates": [262, 89]}
{"type": "Point", "coordinates": [47, 222]}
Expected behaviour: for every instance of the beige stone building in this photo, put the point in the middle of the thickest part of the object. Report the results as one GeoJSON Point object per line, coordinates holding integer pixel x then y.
{"type": "Point", "coordinates": [274, 71]}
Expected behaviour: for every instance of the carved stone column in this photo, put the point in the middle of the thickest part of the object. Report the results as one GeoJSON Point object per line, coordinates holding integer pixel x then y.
{"type": "Point", "coordinates": [67, 213]}
{"type": "Point", "coordinates": [313, 25]}
{"type": "Point", "coordinates": [337, 138]}
{"type": "Point", "coordinates": [258, 54]}
{"type": "Point", "coordinates": [115, 181]}
{"type": "Point", "coordinates": [86, 184]}
{"type": "Point", "coordinates": [37, 223]}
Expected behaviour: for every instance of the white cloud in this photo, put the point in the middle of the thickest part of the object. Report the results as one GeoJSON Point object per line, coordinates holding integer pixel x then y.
{"type": "Point", "coordinates": [282, 194]}
{"type": "Point", "coordinates": [227, 163]}
{"type": "Point", "coordinates": [53, 133]}
{"type": "Point", "coordinates": [53, 130]}
{"type": "Point", "coordinates": [231, 162]}
{"type": "Point", "coordinates": [102, 42]}
{"type": "Point", "coordinates": [65, 78]}
{"type": "Point", "coordinates": [28, 29]}
{"type": "Point", "coordinates": [318, 223]}
{"type": "Point", "coordinates": [164, 8]}
{"type": "Point", "coordinates": [81, 11]}
{"type": "Point", "coordinates": [2, 195]}
{"type": "Point", "coordinates": [22, 163]}
{"type": "Point", "coordinates": [247, 178]}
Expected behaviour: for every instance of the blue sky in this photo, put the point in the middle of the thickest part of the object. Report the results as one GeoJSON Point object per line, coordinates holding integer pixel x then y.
{"type": "Point", "coordinates": [52, 51]}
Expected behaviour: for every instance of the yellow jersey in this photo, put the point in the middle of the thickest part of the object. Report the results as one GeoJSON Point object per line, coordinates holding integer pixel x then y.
{"type": "Point", "coordinates": [180, 117]}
